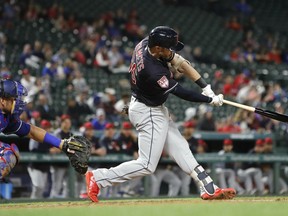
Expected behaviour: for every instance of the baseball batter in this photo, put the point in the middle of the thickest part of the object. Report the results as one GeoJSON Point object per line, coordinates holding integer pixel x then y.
{"type": "Point", "coordinates": [151, 84]}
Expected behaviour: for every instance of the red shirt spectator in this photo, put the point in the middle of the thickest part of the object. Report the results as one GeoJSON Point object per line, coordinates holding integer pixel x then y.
{"type": "Point", "coordinates": [234, 24]}
{"type": "Point", "coordinates": [274, 56]}
{"type": "Point", "coordinates": [53, 12]}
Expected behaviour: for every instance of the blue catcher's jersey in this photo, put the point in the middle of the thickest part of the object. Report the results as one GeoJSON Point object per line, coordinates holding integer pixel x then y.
{"type": "Point", "coordinates": [151, 80]}
{"type": "Point", "coordinates": [11, 124]}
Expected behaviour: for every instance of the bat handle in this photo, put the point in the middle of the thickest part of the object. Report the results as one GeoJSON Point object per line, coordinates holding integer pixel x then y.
{"type": "Point", "coordinates": [241, 106]}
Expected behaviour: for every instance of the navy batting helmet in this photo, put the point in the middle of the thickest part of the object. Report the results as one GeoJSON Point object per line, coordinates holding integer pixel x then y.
{"type": "Point", "coordinates": [165, 36]}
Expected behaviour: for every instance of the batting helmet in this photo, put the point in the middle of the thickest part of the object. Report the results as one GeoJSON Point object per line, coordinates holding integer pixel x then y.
{"type": "Point", "coordinates": [165, 36]}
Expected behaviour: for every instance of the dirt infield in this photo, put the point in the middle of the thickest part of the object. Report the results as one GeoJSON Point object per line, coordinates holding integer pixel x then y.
{"type": "Point", "coordinates": [132, 202]}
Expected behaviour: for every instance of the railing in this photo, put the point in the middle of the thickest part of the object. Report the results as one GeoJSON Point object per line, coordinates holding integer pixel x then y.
{"type": "Point", "coordinates": [210, 159]}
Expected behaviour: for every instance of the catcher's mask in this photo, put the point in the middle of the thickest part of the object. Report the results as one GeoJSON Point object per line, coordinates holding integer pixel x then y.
{"type": "Point", "coordinates": [15, 90]}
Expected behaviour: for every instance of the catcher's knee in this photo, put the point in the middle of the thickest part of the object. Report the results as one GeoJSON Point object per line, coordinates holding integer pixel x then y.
{"type": "Point", "coordinates": [9, 156]}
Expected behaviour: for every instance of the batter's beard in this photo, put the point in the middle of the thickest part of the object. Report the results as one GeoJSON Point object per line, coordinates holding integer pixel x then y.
{"type": "Point", "coordinates": [170, 58]}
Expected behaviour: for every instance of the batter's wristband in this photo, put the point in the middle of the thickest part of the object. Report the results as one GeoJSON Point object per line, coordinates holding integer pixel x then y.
{"type": "Point", "coordinates": [52, 140]}
{"type": "Point", "coordinates": [201, 82]}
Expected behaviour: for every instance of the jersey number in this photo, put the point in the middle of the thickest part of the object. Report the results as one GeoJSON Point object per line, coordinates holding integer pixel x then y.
{"type": "Point", "coordinates": [132, 70]}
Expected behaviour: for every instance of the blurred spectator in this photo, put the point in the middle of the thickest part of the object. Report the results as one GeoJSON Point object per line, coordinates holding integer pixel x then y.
{"type": "Point", "coordinates": [48, 51]}
{"type": "Point", "coordinates": [3, 41]}
{"type": "Point", "coordinates": [116, 61]}
{"type": "Point", "coordinates": [53, 11]}
{"type": "Point", "coordinates": [79, 82]}
{"type": "Point", "coordinates": [26, 54]}
{"type": "Point", "coordinates": [217, 82]}
{"type": "Point", "coordinates": [228, 87]}
{"type": "Point", "coordinates": [32, 12]}
{"type": "Point", "coordinates": [267, 169]}
{"type": "Point", "coordinates": [46, 111]}
{"type": "Point", "coordinates": [82, 103]}
{"type": "Point", "coordinates": [73, 110]}
{"type": "Point", "coordinates": [59, 170]}
{"type": "Point", "coordinates": [50, 69]}
{"type": "Point", "coordinates": [229, 126]}
{"type": "Point", "coordinates": [127, 141]}
{"type": "Point", "coordinates": [250, 173]}
{"type": "Point", "coordinates": [100, 121]}
{"type": "Point", "coordinates": [243, 7]}
{"type": "Point", "coordinates": [78, 56]}
{"type": "Point", "coordinates": [109, 140]}
{"type": "Point", "coordinates": [69, 68]}
{"type": "Point", "coordinates": [97, 149]}
{"type": "Point", "coordinates": [285, 56]}
{"type": "Point", "coordinates": [109, 100]}
{"type": "Point", "coordinates": [165, 174]}
{"type": "Point", "coordinates": [237, 55]}
{"type": "Point", "coordinates": [226, 171]}
{"type": "Point", "coordinates": [38, 172]}
{"type": "Point", "coordinates": [207, 122]}
{"type": "Point", "coordinates": [234, 24]}
{"type": "Point", "coordinates": [37, 51]}
{"type": "Point", "coordinates": [102, 60]}
{"type": "Point", "coordinates": [250, 42]}
{"type": "Point", "coordinates": [188, 131]}
{"type": "Point", "coordinates": [198, 55]}
{"type": "Point", "coordinates": [29, 82]}
{"type": "Point", "coordinates": [35, 118]}
{"type": "Point", "coordinates": [274, 55]}
{"type": "Point", "coordinates": [240, 119]}
{"type": "Point", "coordinates": [202, 147]}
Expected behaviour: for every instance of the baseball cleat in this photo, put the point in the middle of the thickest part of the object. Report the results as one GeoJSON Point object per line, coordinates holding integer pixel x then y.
{"type": "Point", "coordinates": [92, 187]}
{"type": "Point", "coordinates": [220, 194]}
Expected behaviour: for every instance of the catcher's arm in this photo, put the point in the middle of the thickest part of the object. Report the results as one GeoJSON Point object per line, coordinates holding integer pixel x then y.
{"type": "Point", "coordinates": [77, 148]}
{"type": "Point", "coordinates": [182, 65]}
{"type": "Point", "coordinates": [41, 136]}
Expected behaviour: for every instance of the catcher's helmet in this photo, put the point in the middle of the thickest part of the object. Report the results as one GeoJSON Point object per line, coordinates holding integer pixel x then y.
{"type": "Point", "coordinates": [10, 88]}
{"type": "Point", "coordinates": [165, 36]}
{"type": "Point", "coordinates": [14, 89]}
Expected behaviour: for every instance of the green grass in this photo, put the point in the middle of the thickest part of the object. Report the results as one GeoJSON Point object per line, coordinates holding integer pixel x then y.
{"type": "Point", "coordinates": [267, 206]}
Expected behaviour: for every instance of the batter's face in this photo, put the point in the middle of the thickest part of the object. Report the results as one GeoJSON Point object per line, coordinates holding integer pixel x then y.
{"type": "Point", "coordinates": [162, 53]}
{"type": "Point", "coordinates": [6, 105]}
{"type": "Point", "coordinates": [166, 53]}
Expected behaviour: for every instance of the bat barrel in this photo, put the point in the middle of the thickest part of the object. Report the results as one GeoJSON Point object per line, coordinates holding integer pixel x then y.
{"type": "Point", "coordinates": [272, 115]}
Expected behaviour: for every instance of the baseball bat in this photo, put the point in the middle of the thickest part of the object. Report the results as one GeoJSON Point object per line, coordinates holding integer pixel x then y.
{"type": "Point", "coordinates": [266, 113]}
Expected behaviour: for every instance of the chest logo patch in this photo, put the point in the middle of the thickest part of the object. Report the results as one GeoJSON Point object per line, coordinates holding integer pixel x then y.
{"type": "Point", "coordinates": [163, 82]}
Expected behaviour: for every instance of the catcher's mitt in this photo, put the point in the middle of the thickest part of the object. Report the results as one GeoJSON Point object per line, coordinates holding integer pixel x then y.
{"type": "Point", "coordinates": [78, 149]}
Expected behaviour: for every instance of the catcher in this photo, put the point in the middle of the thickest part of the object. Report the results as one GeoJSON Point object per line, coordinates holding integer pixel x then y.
{"type": "Point", "coordinates": [12, 104]}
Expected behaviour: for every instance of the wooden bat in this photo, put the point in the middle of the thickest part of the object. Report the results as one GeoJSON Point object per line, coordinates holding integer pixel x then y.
{"type": "Point", "coordinates": [267, 113]}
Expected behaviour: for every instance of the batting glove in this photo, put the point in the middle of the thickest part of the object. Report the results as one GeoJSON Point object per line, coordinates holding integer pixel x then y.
{"type": "Point", "coordinates": [217, 100]}
{"type": "Point", "coordinates": [207, 91]}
